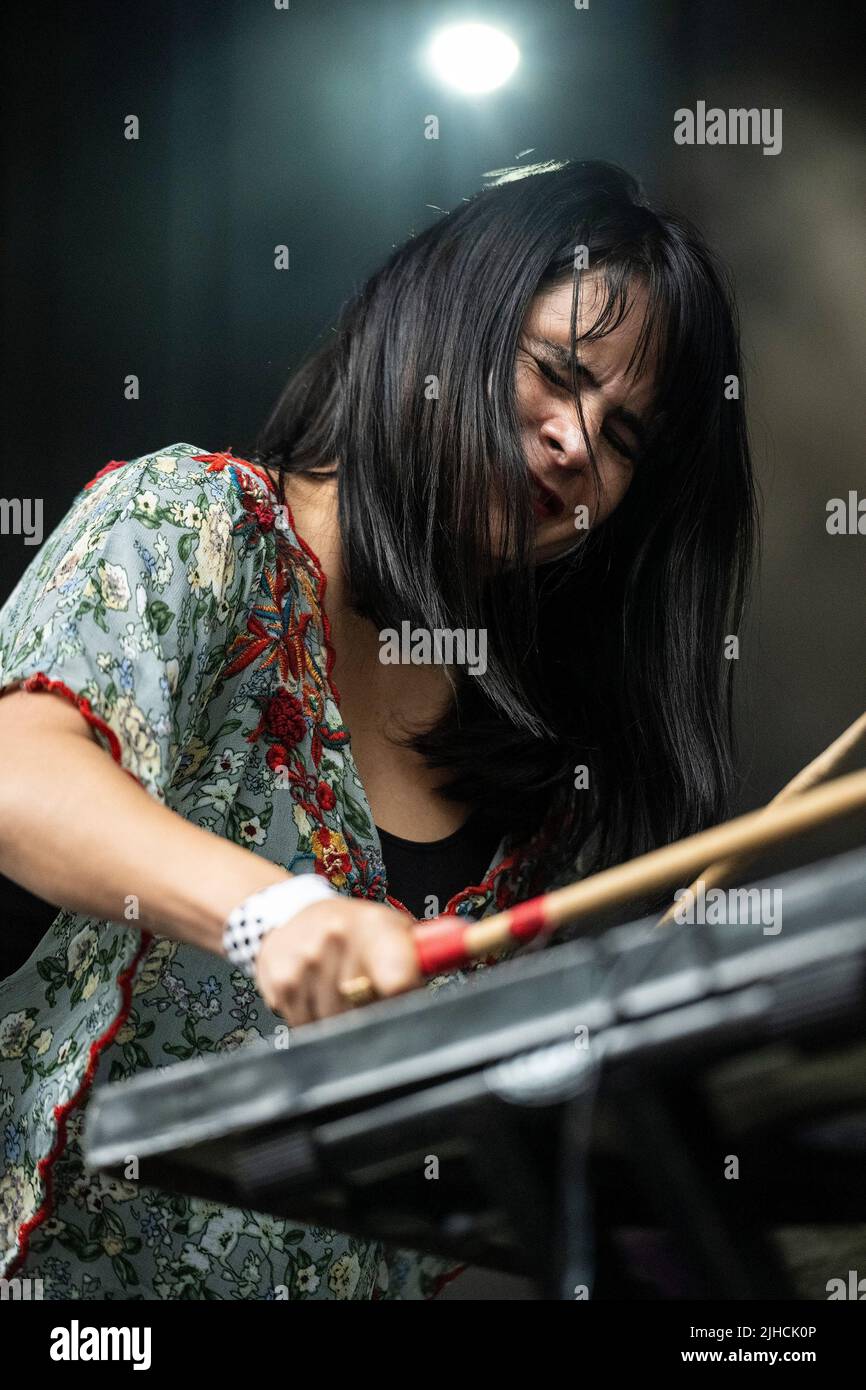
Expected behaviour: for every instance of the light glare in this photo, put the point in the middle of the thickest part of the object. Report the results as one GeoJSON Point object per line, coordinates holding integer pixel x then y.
{"type": "Point", "coordinates": [473, 57]}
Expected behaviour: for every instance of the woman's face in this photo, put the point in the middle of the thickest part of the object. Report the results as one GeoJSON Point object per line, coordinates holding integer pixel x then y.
{"type": "Point", "coordinates": [616, 409]}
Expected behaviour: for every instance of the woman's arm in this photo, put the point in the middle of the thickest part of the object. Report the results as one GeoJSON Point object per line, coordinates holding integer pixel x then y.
{"type": "Point", "coordinates": [76, 830]}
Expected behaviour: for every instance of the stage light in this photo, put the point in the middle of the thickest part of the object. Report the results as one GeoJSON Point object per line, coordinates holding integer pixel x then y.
{"type": "Point", "coordinates": [473, 57]}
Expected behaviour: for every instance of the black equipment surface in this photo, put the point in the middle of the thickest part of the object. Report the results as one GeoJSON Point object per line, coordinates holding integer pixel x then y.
{"type": "Point", "coordinates": [590, 1087]}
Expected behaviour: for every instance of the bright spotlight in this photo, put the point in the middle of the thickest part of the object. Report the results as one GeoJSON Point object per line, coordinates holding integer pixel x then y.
{"type": "Point", "coordinates": [473, 57]}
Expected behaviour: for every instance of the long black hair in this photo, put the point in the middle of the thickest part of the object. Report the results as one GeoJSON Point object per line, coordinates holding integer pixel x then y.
{"type": "Point", "coordinates": [611, 658]}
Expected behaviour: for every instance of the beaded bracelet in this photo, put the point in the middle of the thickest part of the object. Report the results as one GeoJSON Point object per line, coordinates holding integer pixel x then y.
{"type": "Point", "coordinates": [271, 907]}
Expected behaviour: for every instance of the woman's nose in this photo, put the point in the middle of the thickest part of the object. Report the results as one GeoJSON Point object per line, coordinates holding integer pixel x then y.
{"type": "Point", "coordinates": [564, 440]}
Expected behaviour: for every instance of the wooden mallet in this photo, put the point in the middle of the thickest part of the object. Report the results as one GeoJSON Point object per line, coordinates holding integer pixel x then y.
{"type": "Point", "coordinates": [449, 943]}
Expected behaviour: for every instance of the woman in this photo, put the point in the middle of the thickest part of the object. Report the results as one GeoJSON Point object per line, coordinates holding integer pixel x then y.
{"type": "Point", "coordinates": [521, 437]}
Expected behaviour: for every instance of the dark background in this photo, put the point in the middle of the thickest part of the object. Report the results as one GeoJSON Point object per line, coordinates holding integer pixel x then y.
{"type": "Point", "coordinates": [306, 127]}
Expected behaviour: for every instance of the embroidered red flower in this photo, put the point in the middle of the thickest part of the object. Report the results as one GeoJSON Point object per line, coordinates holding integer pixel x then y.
{"type": "Point", "coordinates": [332, 855]}
{"type": "Point", "coordinates": [226, 459]}
{"type": "Point", "coordinates": [264, 515]}
{"type": "Point", "coordinates": [276, 756]}
{"type": "Point", "coordinates": [284, 718]}
{"type": "Point", "coordinates": [325, 796]}
{"type": "Point", "coordinates": [109, 468]}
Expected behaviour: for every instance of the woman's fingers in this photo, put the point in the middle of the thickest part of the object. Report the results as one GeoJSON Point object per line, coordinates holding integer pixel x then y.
{"type": "Point", "coordinates": [324, 973]}
{"type": "Point", "coordinates": [388, 950]}
{"type": "Point", "coordinates": [301, 965]}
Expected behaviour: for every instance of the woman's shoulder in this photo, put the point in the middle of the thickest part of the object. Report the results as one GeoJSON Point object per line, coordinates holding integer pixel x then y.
{"type": "Point", "coordinates": [190, 505]}
{"type": "Point", "coordinates": [181, 471]}
{"type": "Point", "coordinates": [214, 524]}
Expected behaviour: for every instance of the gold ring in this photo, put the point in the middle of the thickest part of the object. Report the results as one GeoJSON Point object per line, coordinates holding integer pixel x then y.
{"type": "Point", "coordinates": [358, 991]}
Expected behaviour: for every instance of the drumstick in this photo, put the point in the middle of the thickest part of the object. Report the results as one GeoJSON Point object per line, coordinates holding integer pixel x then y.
{"type": "Point", "coordinates": [819, 770]}
{"type": "Point", "coordinates": [448, 943]}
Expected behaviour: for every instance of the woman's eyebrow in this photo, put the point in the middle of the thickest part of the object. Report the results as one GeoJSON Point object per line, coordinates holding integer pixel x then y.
{"type": "Point", "coordinates": [562, 358]}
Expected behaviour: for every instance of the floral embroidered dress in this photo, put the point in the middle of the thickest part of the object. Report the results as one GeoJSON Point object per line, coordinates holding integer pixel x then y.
{"type": "Point", "coordinates": [176, 606]}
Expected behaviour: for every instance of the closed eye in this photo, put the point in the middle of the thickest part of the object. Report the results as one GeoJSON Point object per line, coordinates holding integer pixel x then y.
{"type": "Point", "coordinates": [626, 450]}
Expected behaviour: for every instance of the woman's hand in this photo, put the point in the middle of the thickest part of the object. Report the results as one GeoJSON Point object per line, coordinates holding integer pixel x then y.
{"type": "Point", "coordinates": [301, 965]}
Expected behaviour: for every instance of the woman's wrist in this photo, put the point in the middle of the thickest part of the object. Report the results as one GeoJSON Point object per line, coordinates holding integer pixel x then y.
{"type": "Point", "coordinates": [200, 903]}
{"type": "Point", "coordinates": [259, 913]}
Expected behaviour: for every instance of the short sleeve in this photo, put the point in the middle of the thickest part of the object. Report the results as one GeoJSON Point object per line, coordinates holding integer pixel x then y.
{"type": "Point", "coordinates": [128, 606]}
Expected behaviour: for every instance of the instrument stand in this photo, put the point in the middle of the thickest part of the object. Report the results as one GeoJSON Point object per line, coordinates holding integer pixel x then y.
{"type": "Point", "coordinates": [721, 1238]}
{"type": "Point", "coordinates": [727, 1254]}
{"type": "Point", "coordinates": [552, 1221]}
{"type": "Point", "coordinates": [571, 1272]}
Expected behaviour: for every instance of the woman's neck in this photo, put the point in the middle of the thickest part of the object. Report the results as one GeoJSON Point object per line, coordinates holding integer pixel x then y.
{"type": "Point", "coordinates": [419, 694]}
{"type": "Point", "coordinates": [379, 704]}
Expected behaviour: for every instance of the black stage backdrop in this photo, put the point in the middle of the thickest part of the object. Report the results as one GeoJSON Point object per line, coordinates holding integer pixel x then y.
{"type": "Point", "coordinates": [305, 127]}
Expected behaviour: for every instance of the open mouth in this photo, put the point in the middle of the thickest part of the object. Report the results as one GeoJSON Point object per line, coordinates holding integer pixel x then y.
{"type": "Point", "coordinates": [545, 503]}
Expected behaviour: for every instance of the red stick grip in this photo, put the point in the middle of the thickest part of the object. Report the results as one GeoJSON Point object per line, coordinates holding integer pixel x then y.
{"type": "Point", "coordinates": [441, 945]}
{"type": "Point", "coordinates": [527, 919]}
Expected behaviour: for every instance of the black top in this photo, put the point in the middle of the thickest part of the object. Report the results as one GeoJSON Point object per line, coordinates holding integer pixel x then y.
{"type": "Point", "coordinates": [421, 871]}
